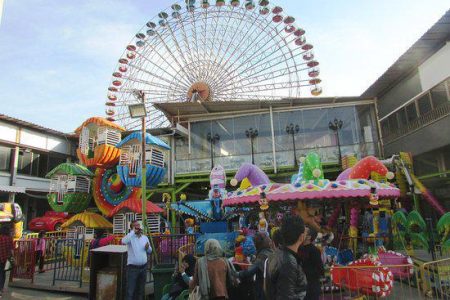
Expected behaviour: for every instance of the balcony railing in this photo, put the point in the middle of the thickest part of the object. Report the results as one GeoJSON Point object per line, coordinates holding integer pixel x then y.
{"type": "Point", "coordinates": [425, 119]}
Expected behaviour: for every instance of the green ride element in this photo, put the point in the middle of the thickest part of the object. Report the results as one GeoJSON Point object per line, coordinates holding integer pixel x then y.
{"type": "Point", "coordinates": [72, 202]}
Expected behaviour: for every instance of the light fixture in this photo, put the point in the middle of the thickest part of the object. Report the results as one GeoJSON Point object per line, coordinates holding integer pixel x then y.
{"type": "Point", "coordinates": [137, 110]}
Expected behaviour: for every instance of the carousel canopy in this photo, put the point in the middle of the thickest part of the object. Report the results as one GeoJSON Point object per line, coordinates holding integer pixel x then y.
{"type": "Point", "coordinates": [319, 189]}
{"type": "Point", "coordinates": [135, 205]}
{"type": "Point", "coordinates": [149, 140]}
{"type": "Point", "coordinates": [70, 169]}
{"type": "Point", "coordinates": [90, 220]}
{"type": "Point", "coordinates": [100, 122]}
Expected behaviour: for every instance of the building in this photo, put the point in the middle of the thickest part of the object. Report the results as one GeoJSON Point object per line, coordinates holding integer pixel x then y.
{"type": "Point", "coordinates": [413, 103]}
{"type": "Point", "coordinates": [233, 132]}
{"type": "Point", "coordinates": [27, 153]}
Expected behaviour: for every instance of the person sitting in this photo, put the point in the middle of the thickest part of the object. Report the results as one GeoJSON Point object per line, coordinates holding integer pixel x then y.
{"type": "Point", "coordinates": [312, 264]}
{"type": "Point", "coordinates": [263, 251]}
{"type": "Point", "coordinates": [284, 275]}
{"type": "Point", "coordinates": [181, 277]}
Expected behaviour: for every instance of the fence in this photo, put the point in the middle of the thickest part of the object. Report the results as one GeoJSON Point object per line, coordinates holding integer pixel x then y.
{"type": "Point", "coordinates": [24, 260]}
{"type": "Point", "coordinates": [70, 260]}
{"type": "Point", "coordinates": [435, 279]}
{"type": "Point", "coordinates": [167, 246]}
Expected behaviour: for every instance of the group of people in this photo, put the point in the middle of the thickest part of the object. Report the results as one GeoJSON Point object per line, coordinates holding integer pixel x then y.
{"type": "Point", "coordinates": [288, 266]}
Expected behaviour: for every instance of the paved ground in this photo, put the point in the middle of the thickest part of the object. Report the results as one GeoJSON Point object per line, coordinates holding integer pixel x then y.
{"type": "Point", "coordinates": [25, 294]}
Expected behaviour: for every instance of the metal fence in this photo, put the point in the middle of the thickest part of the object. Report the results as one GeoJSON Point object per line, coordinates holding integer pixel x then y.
{"type": "Point", "coordinates": [435, 279]}
{"type": "Point", "coordinates": [167, 246]}
{"type": "Point", "coordinates": [70, 260]}
{"type": "Point", "coordinates": [24, 260]}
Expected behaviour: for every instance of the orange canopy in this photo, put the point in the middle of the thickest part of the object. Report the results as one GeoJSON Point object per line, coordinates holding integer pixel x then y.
{"type": "Point", "coordinates": [100, 122]}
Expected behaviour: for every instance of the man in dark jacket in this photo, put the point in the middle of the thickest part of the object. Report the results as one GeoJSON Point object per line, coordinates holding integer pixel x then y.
{"type": "Point", "coordinates": [284, 275]}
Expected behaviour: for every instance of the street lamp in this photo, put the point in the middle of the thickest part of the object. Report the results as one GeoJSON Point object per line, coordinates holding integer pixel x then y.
{"type": "Point", "coordinates": [139, 111]}
{"type": "Point", "coordinates": [212, 139]}
{"type": "Point", "coordinates": [252, 134]}
{"type": "Point", "coordinates": [336, 125]}
{"type": "Point", "coordinates": [292, 130]}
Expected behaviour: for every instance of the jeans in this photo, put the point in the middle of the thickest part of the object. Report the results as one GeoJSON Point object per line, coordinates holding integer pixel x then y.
{"type": "Point", "coordinates": [2, 276]}
{"type": "Point", "coordinates": [136, 276]}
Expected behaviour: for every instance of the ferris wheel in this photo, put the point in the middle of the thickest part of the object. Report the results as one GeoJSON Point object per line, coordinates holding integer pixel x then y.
{"type": "Point", "coordinates": [213, 51]}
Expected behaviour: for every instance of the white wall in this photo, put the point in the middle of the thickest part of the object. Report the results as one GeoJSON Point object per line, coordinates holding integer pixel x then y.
{"type": "Point", "coordinates": [436, 68]}
{"type": "Point", "coordinates": [8, 132]}
{"type": "Point", "coordinates": [33, 183]}
{"type": "Point", "coordinates": [34, 139]}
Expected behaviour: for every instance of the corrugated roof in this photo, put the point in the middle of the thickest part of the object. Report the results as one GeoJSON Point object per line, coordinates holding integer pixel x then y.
{"type": "Point", "coordinates": [99, 121]}
{"type": "Point", "coordinates": [26, 124]}
{"type": "Point", "coordinates": [12, 189]}
{"type": "Point", "coordinates": [71, 169]}
{"type": "Point", "coordinates": [420, 51]}
{"type": "Point", "coordinates": [184, 109]}
{"type": "Point", "coordinates": [90, 220]}
{"type": "Point", "coordinates": [149, 140]}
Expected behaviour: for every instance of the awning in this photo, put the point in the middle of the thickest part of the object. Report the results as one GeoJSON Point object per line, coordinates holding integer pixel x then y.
{"type": "Point", "coordinates": [12, 189]}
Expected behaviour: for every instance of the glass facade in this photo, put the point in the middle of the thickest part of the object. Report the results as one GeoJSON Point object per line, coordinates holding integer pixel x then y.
{"type": "Point", "coordinates": [358, 135]}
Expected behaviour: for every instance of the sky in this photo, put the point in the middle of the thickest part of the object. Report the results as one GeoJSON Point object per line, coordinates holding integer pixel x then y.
{"type": "Point", "coordinates": [57, 57]}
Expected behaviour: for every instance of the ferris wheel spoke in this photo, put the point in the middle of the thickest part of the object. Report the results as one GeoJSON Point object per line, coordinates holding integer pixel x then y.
{"type": "Point", "coordinates": [157, 76]}
{"type": "Point", "coordinates": [159, 67]}
{"type": "Point", "coordinates": [148, 83]}
{"type": "Point", "coordinates": [244, 39]}
{"type": "Point", "coordinates": [174, 58]}
{"type": "Point", "coordinates": [178, 47]}
{"type": "Point", "coordinates": [186, 42]}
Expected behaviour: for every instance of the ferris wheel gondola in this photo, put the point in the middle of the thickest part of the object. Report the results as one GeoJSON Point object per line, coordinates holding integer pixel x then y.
{"type": "Point", "coordinates": [219, 50]}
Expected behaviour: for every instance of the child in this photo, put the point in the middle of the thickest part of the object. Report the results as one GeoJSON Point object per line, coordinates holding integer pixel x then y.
{"type": "Point", "coordinates": [40, 251]}
{"type": "Point", "coordinates": [312, 264]}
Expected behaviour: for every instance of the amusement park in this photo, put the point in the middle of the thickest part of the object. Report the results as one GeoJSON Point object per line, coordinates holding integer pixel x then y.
{"type": "Point", "coordinates": [219, 170]}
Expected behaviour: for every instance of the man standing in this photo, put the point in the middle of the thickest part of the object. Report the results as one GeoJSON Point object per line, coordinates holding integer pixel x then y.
{"type": "Point", "coordinates": [285, 278]}
{"type": "Point", "coordinates": [138, 247]}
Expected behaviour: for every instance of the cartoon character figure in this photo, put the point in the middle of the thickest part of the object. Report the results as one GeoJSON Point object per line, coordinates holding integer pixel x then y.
{"type": "Point", "coordinates": [263, 226]}
{"type": "Point", "coordinates": [242, 222]}
{"type": "Point", "coordinates": [217, 203]}
{"type": "Point", "coordinates": [189, 224]}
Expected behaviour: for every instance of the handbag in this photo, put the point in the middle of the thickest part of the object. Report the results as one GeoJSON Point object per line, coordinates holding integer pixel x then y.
{"type": "Point", "coordinates": [195, 294]}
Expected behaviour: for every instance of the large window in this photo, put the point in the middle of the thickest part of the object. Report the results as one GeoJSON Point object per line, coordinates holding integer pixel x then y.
{"type": "Point", "coordinates": [357, 135]}
{"type": "Point", "coordinates": [35, 163]}
{"type": "Point", "coordinates": [5, 158]}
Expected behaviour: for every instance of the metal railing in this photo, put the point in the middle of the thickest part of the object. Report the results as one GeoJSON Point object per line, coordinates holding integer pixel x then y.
{"type": "Point", "coordinates": [24, 260]}
{"type": "Point", "coordinates": [435, 279]}
{"type": "Point", "coordinates": [425, 119]}
{"type": "Point", "coordinates": [73, 260]}
{"type": "Point", "coordinates": [167, 246]}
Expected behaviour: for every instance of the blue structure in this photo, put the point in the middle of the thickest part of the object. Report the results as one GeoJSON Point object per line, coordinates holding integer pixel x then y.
{"type": "Point", "coordinates": [129, 167]}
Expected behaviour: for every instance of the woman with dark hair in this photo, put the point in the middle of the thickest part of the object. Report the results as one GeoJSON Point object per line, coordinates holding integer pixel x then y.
{"type": "Point", "coordinates": [277, 238]}
{"type": "Point", "coordinates": [181, 277]}
{"type": "Point", "coordinates": [263, 250]}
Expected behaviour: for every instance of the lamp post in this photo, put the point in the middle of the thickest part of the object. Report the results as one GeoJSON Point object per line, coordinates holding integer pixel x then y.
{"type": "Point", "coordinates": [336, 125]}
{"type": "Point", "coordinates": [139, 110]}
{"type": "Point", "coordinates": [292, 130]}
{"type": "Point", "coordinates": [252, 134]}
{"type": "Point", "coordinates": [212, 139]}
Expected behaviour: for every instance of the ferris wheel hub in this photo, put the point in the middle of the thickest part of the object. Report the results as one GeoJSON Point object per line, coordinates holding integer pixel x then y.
{"type": "Point", "coordinates": [199, 91]}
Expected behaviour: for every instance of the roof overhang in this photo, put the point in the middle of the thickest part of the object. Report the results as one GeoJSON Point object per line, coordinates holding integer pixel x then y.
{"type": "Point", "coordinates": [12, 189]}
{"type": "Point", "coordinates": [420, 51]}
{"type": "Point", "coordinates": [183, 111]}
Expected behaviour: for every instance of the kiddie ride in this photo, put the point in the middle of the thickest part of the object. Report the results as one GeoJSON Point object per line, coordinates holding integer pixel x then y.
{"type": "Point", "coordinates": [360, 190]}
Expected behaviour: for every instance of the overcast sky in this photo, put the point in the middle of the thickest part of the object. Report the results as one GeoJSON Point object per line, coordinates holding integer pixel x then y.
{"type": "Point", "coordinates": [57, 56]}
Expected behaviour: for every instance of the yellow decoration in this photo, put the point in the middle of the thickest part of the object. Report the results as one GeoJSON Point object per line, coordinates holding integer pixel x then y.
{"type": "Point", "coordinates": [183, 197]}
{"type": "Point", "coordinates": [90, 220]}
{"type": "Point", "coordinates": [245, 184]}
{"type": "Point", "coordinates": [353, 233]}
